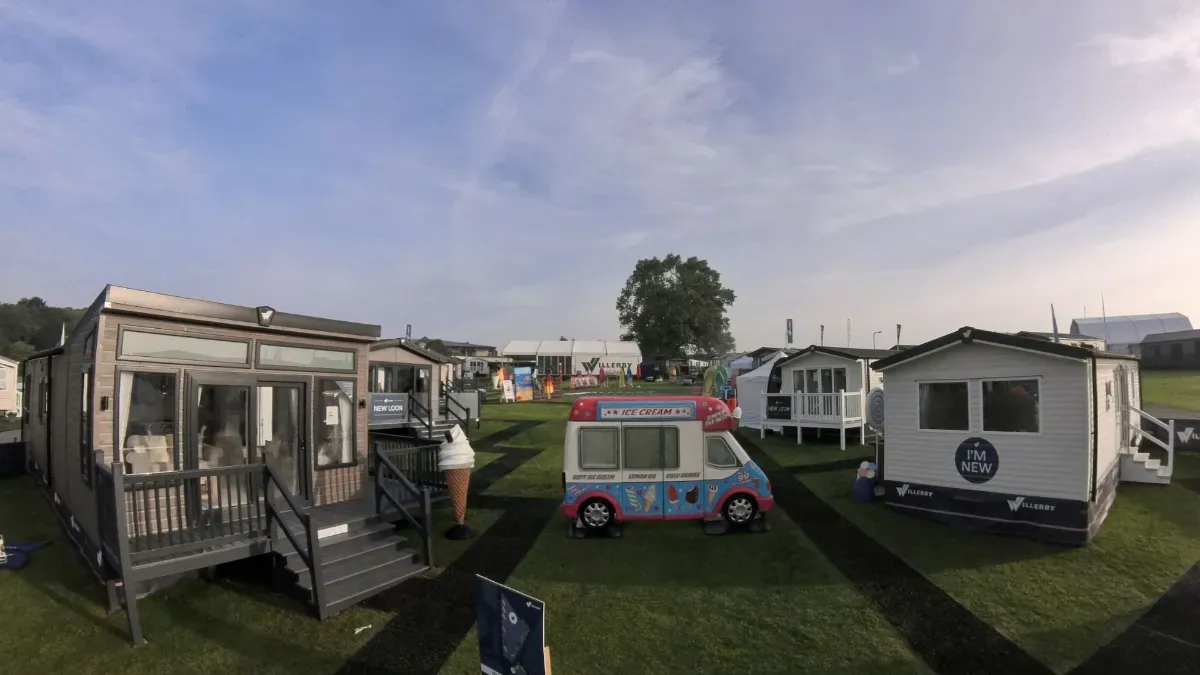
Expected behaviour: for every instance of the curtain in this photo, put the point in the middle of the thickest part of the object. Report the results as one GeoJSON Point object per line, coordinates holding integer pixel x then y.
{"type": "Point", "coordinates": [346, 428]}
{"type": "Point", "coordinates": [124, 403]}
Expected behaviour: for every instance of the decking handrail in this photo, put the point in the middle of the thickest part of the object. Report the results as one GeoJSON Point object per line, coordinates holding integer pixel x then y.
{"type": "Point", "coordinates": [310, 557]}
{"type": "Point", "coordinates": [1168, 427]}
{"type": "Point", "coordinates": [461, 419]}
{"type": "Point", "coordinates": [427, 420]}
{"type": "Point", "coordinates": [423, 526]}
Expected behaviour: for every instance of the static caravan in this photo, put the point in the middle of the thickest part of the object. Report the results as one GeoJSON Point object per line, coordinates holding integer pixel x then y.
{"type": "Point", "coordinates": [822, 388]}
{"type": "Point", "coordinates": [9, 391]}
{"type": "Point", "coordinates": [406, 391]}
{"type": "Point", "coordinates": [1013, 434]}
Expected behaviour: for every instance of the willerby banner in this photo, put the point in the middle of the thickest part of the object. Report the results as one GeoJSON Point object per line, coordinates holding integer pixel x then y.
{"type": "Point", "coordinates": [646, 411]}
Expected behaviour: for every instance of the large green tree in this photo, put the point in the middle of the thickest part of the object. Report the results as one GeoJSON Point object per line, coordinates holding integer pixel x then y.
{"type": "Point", "coordinates": [30, 325]}
{"type": "Point", "coordinates": [674, 307]}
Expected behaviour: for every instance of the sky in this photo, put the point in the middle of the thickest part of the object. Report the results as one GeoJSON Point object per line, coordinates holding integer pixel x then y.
{"type": "Point", "coordinates": [491, 170]}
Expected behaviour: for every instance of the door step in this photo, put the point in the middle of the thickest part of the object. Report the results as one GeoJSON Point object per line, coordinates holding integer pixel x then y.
{"type": "Point", "coordinates": [362, 558]}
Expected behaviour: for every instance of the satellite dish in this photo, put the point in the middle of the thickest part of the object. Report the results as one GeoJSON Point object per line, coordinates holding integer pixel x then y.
{"type": "Point", "coordinates": [875, 409]}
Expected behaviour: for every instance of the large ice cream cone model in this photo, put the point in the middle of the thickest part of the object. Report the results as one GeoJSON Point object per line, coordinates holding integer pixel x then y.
{"type": "Point", "coordinates": [455, 460]}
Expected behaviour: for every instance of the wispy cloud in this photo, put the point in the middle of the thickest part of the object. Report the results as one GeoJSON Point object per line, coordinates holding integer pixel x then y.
{"type": "Point", "coordinates": [494, 170]}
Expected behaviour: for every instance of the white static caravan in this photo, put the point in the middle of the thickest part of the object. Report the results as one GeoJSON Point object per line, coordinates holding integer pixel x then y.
{"type": "Point", "coordinates": [823, 388]}
{"type": "Point", "coordinates": [1012, 434]}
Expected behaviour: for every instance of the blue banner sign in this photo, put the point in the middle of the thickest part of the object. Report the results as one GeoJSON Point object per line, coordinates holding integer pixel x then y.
{"type": "Point", "coordinates": [512, 630]}
{"type": "Point", "coordinates": [387, 409]}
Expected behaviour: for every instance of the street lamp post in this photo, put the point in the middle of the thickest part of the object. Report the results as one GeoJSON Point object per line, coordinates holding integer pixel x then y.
{"type": "Point", "coordinates": [873, 338]}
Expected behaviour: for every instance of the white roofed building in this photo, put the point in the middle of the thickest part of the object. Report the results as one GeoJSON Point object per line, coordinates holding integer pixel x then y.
{"type": "Point", "coordinates": [575, 357]}
{"type": "Point", "coordinates": [1124, 334]}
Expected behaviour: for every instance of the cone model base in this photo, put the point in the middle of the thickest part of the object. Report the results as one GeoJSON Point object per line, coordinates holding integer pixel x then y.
{"type": "Point", "coordinates": [460, 531]}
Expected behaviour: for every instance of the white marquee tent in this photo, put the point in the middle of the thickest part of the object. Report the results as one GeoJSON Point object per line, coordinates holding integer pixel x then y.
{"type": "Point", "coordinates": [750, 389]}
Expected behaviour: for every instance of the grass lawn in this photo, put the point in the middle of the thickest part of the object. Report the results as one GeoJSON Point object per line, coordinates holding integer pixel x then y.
{"type": "Point", "coordinates": [1036, 594]}
{"type": "Point", "coordinates": [664, 598]}
{"type": "Point", "coordinates": [1177, 389]}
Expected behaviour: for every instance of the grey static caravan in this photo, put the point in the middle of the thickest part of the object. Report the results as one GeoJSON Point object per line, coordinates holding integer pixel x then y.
{"type": "Point", "coordinates": [1013, 434]}
{"type": "Point", "coordinates": [822, 388]}
{"type": "Point", "coordinates": [172, 435]}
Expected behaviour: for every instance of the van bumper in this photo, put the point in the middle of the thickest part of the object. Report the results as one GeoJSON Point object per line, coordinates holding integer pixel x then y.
{"type": "Point", "coordinates": [571, 510]}
{"type": "Point", "coordinates": [766, 504]}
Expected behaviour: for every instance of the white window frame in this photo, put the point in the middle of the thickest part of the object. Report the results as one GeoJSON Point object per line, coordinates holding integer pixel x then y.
{"type": "Point", "coordinates": [4, 379]}
{"type": "Point", "coordinates": [737, 463]}
{"type": "Point", "coordinates": [970, 422]}
{"type": "Point", "coordinates": [1015, 378]}
{"type": "Point", "coordinates": [579, 448]}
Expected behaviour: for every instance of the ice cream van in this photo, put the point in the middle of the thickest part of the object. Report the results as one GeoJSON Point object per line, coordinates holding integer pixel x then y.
{"type": "Point", "coordinates": [656, 458]}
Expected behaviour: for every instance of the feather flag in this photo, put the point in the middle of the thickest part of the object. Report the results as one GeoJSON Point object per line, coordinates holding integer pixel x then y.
{"type": "Point", "coordinates": [1054, 322]}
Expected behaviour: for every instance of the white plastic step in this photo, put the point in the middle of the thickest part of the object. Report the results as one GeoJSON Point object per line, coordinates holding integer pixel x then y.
{"type": "Point", "coordinates": [1164, 472]}
{"type": "Point", "coordinates": [1141, 456]}
{"type": "Point", "coordinates": [1153, 464]}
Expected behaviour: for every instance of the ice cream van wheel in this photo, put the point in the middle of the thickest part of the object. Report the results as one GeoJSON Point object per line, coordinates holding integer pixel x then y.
{"type": "Point", "coordinates": [596, 514]}
{"type": "Point", "coordinates": [739, 509]}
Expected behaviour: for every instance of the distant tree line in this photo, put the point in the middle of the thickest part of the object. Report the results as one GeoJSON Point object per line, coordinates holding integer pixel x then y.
{"type": "Point", "coordinates": [30, 325]}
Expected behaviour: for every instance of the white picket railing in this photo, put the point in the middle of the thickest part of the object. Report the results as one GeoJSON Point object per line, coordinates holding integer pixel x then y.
{"type": "Point", "coordinates": [1168, 427]}
{"type": "Point", "coordinates": [844, 409]}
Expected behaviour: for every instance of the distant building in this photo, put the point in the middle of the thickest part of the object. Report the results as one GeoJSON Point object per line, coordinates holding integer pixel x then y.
{"type": "Point", "coordinates": [1124, 334]}
{"type": "Point", "coordinates": [574, 357]}
{"type": "Point", "coordinates": [10, 395]}
{"type": "Point", "coordinates": [1070, 339]}
{"type": "Point", "coordinates": [1176, 350]}
{"type": "Point", "coordinates": [462, 348]}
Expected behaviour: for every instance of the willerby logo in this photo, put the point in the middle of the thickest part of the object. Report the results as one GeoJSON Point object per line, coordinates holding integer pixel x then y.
{"type": "Point", "coordinates": [590, 365]}
{"type": "Point", "coordinates": [905, 490]}
{"type": "Point", "coordinates": [1020, 503]}
{"type": "Point", "coordinates": [1187, 435]}
{"type": "Point", "coordinates": [594, 364]}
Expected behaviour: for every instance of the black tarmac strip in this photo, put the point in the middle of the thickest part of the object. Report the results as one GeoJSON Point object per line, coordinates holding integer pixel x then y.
{"type": "Point", "coordinates": [434, 614]}
{"type": "Point", "coordinates": [1164, 641]}
{"type": "Point", "coordinates": [943, 633]}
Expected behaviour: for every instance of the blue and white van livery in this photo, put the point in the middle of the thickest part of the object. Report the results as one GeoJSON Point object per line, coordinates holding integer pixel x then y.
{"type": "Point", "coordinates": [658, 458]}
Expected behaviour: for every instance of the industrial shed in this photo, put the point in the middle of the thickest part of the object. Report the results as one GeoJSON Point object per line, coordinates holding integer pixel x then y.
{"type": "Point", "coordinates": [1124, 334]}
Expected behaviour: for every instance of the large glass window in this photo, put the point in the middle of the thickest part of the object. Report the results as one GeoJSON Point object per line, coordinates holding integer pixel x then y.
{"type": "Point", "coordinates": [1011, 405]}
{"type": "Point", "coordinates": [85, 428]}
{"type": "Point", "coordinates": [3, 379]}
{"type": "Point", "coordinates": [334, 423]}
{"type": "Point", "coordinates": [305, 358]}
{"type": "Point", "coordinates": [839, 380]}
{"type": "Point", "coordinates": [813, 383]}
{"type": "Point", "coordinates": [943, 406]}
{"type": "Point", "coordinates": [164, 347]}
{"type": "Point", "coordinates": [281, 431]}
{"type": "Point", "coordinates": [599, 448]}
{"type": "Point", "coordinates": [651, 448]}
{"type": "Point", "coordinates": [146, 412]}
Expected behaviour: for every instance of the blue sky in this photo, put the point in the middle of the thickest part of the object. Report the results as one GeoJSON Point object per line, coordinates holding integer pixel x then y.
{"type": "Point", "coordinates": [492, 170]}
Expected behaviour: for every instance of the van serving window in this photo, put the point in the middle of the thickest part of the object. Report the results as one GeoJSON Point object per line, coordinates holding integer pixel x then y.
{"type": "Point", "coordinates": [599, 448]}
{"type": "Point", "coordinates": [651, 448]}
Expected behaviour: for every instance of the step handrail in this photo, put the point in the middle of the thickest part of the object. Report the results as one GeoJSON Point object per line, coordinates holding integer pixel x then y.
{"type": "Point", "coordinates": [423, 526]}
{"type": "Point", "coordinates": [416, 407]}
{"type": "Point", "coordinates": [461, 419]}
{"type": "Point", "coordinates": [312, 557]}
{"type": "Point", "coordinates": [1168, 427]}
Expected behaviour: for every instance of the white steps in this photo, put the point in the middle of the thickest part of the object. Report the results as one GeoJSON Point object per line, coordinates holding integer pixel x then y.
{"type": "Point", "coordinates": [1137, 467]}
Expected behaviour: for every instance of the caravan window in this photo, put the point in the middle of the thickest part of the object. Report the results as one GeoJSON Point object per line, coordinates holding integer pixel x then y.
{"type": "Point", "coordinates": [1011, 406]}
{"type": "Point", "coordinates": [943, 406]}
{"type": "Point", "coordinates": [599, 448]}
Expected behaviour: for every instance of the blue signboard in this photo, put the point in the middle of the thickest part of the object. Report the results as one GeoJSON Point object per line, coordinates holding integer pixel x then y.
{"type": "Point", "coordinates": [512, 630]}
{"type": "Point", "coordinates": [387, 409]}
